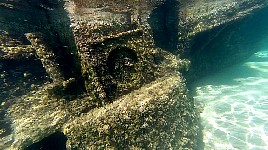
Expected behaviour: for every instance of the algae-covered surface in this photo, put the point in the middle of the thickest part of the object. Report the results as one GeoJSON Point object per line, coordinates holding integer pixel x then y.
{"type": "Point", "coordinates": [105, 84]}
{"type": "Point", "coordinates": [109, 74]}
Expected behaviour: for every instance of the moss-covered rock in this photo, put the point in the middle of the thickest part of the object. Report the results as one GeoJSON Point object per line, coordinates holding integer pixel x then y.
{"type": "Point", "coordinates": [160, 115]}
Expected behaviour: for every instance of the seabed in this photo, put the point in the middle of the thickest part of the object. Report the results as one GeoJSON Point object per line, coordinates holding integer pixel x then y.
{"type": "Point", "coordinates": [235, 102]}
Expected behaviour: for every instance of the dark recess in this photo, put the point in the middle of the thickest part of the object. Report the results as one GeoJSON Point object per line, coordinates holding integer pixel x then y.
{"type": "Point", "coordinates": [56, 141]}
{"type": "Point", "coordinates": [164, 23]}
{"type": "Point", "coordinates": [119, 60]}
{"type": "Point", "coordinates": [227, 44]}
{"type": "Point", "coordinates": [120, 64]}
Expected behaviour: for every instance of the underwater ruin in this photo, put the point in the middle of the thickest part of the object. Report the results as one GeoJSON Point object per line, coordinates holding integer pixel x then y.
{"type": "Point", "coordinates": [96, 74]}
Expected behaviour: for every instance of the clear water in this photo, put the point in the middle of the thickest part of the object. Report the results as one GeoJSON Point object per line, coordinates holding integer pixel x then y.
{"type": "Point", "coordinates": [235, 101]}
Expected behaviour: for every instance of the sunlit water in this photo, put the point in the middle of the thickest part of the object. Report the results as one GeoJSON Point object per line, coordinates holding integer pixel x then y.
{"type": "Point", "coordinates": [235, 114]}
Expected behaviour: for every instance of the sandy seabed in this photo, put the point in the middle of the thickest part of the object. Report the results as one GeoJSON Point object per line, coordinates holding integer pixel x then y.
{"type": "Point", "coordinates": [235, 101]}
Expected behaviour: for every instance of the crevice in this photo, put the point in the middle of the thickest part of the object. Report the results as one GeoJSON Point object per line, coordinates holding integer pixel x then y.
{"type": "Point", "coordinates": [164, 24]}
{"type": "Point", "coordinates": [121, 66]}
{"type": "Point", "coordinates": [56, 141]}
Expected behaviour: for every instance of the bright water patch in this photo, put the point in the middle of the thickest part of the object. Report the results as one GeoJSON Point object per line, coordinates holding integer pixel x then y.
{"type": "Point", "coordinates": [235, 114]}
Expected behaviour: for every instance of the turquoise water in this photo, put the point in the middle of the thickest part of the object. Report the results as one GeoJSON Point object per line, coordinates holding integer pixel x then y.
{"type": "Point", "coordinates": [235, 101]}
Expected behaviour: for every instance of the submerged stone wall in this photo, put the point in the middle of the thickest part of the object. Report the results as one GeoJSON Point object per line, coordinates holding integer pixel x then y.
{"type": "Point", "coordinates": [114, 73]}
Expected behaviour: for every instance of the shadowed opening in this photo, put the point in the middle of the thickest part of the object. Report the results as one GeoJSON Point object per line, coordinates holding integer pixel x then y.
{"type": "Point", "coordinates": [56, 141]}
{"type": "Point", "coordinates": [164, 23]}
{"type": "Point", "coordinates": [121, 62]}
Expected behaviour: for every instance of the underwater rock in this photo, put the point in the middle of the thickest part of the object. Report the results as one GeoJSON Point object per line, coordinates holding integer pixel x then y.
{"type": "Point", "coordinates": [199, 16]}
{"type": "Point", "coordinates": [144, 119]}
{"type": "Point", "coordinates": [129, 88]}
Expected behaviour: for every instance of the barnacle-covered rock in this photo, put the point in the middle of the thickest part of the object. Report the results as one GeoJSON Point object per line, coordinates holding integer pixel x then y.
{"type": "Point", "coordinates": [46, 56]}
{"type": "Point", "coordinates": [11, 48]}
{"type": "Point", "coordinates": [144, 119]}
{"type": "Point", "coordinates": [116, 51]}
{"type": "Point", "coordinates": [159, 110]}
{"type": "Point", "coordinates": [199, 16]}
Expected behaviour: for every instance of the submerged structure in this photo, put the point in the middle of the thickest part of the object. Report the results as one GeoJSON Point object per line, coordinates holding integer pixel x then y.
{"type": "Point", "coordinates": [112, 74]}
